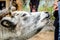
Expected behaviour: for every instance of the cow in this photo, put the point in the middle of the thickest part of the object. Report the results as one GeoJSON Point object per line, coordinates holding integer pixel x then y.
{"type": "Point", "coordinates": [22, 25]}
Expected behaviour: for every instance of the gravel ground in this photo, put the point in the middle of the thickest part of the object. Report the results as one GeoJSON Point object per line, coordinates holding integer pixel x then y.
{"type": "Point", "coordinates": [43, 36]}
{"type": "Point", "coordinates": [47, 33]}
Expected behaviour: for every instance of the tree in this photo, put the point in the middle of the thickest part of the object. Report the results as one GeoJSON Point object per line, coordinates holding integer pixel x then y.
{"type": "Point", "coordinates": [20, 4]}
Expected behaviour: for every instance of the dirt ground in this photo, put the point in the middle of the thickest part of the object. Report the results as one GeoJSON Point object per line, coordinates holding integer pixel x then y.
{"type": "Point", "coordinates": [43, 36]}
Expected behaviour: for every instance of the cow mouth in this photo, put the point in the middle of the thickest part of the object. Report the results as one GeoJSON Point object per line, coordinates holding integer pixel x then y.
{"type": "Point", "coordinates": [8, 24]}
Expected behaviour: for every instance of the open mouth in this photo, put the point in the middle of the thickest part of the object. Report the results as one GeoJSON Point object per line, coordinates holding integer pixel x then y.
{"type": "Point", "coordinates": [8, 24]}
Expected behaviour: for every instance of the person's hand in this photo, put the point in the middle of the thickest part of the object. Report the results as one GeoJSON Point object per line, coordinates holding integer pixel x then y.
{"type": "Point", "coordinates": [55, 5]}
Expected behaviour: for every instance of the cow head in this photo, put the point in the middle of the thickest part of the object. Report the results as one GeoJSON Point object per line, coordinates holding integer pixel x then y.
{"type": "Point", "coordinates": [25, 24]}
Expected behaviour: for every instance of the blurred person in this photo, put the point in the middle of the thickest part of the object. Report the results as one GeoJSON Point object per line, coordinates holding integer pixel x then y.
{"type": "Point", "coordinates": [34, 5]}
{"type": "Point", "coordinates": [56, 22]}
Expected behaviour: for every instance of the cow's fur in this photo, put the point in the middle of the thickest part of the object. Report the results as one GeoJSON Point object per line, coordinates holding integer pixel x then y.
{"type": "Point", "coordinates": [26, 25]}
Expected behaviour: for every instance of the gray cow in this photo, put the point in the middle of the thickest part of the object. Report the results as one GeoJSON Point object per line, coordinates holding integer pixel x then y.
{"type": "Point", "coordinates": [22, 25]}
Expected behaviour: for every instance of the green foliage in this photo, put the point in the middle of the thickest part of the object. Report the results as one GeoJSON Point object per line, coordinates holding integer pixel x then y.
{"type": "Point", "coordinates": [48, 9]}
{"type": "Point", "coordinates": [25, 8]}
{"type": "Point", "coordinates": [42, 8]}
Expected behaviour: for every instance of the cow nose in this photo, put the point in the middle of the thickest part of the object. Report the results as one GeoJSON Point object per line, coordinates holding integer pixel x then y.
{"type": "Point", "coordinates": [48, 16]}
{"type": "Point", "coordinates": [46, 12]}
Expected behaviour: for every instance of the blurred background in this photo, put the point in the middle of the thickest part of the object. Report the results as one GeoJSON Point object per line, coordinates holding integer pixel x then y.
{"type": "Point", "coordinates": [23, 5]}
